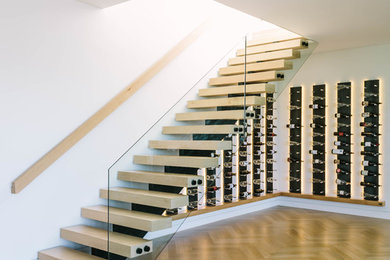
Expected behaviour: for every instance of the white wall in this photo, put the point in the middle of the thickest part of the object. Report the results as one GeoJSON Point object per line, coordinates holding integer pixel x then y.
{"type": "Point", "coordinates": [60, 61]}
{"type": "Point", "coordinates": [355, 65]}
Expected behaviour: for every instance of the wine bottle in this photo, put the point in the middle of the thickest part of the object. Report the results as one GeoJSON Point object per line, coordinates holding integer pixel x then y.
{"type": "Point", "coordinates": [228, 196]}
{"type": "Point", "coordinates": [257, 162]}
{"type": "Point", "coordinates": [341, 162]}
{"type": "Point", "coordinates": [172, 211]}
{"type": "Point", "coordinates": [271, 126]}
{"type": "Point", "coordinates": [192, 191]}
{"type": "Point", "coordinates": [245, 194]}
{"type": "Point", "coordinates": [343, 193]}
{"type": "Point", "coordinates": [229, 174]}
{"type": "Point", "coordinates": [368, 173]}
{"type": "Point", "coordinates": [342, 134]}
{"type": "Point", "coordinates": [369, 195]}
{"type": "Point", "coordinates": [340, 104]}
{"type": "Point", "coordinates": [243, 153]}
{"type": "Point", "coordinates": [316, 170]}
{"type": "Point", "coordinates": [368, 94]}
{"type": "Point", "coordinates": [341, 86]}
{"type": "Point", "coordinates": [368, 163]}
{"type": "Point", "coordinates": [344, 125]}
{"type": "Point", "coordinates": [271, 151]}
{"type": "Point", "coordinates": [210, 177]}
{"type": "Point", "coordinates": [318, 143]}
{"type": "Point", "coordinates": [369, 124]}
{"type": "Point", "coordinates": [369, 184]}
{"type": "Point", "coordinates": [271, 99]}
{"type": "Point", "coordinates": [342, 182]}
{"type": "Point", "coordinates": [293, 126]}
{"type": "Point", "coordinates": [230, 186]}
{"type": "Point", "coordinates": [369, 153]}
{"type": "Point", "coordinates": [271, 179]}
{"type": "Point", "coordinates": [315, 134]}
{"type": "Point", "coordinates": [341, 152]}
{"type": "Point", "coordinates": [259, 190]}
{"type": "Point", "coordinates": [340, 143]}
{"type": "Point", "coordinates": [369, 114]}
{"type": "Point", "coordinates": [243, 183]}
{"type": "Point", "coordinates": [370, 103]}
{"type": "Point", "coordinates": [314, 180]}
{"type": "Point", "coordinates": [341, 115]}
{"type": "Point", "coordinates": [370, 134]}
{"type": "Point", "coordinates": [294, 143]}
{"type": "Point", "coordinates": [313, 125]}
{"type": "Point", "coordinates": [318, 117]}
{"type": "Point", "coordinates": [270, 134]}
{"type": "Point", "coordinates": [270, 143]}
{"type": "Point", "coordinates": [270, 161]}
{"type": "Point", "coordinates": [340, 171]}
{"type": "Point", "coordinates": [294, 179]}
{"type": "Point", "coordinates": [315, 98]}
{"type": "Point", "coordinates": [292, 107]}
{"type": "Point", "coordinates": [257, 125]}
{"type": "Point", "coordinates": [257, 182]}
{"type": "Point", "coordinates": [316, 106]}
{"type": "Point", "coordinates": [271, 117]}
{"type": "Point", "coordinates": [318, 161]}
{"type": "Point", "coordinates": [316, 152]}
{"type": "Point", "coordinates": [243, 163]}
{"type": "Point", "coordinates": [213, 188]}
{"type": "Point", "coordinates": [293, 160]}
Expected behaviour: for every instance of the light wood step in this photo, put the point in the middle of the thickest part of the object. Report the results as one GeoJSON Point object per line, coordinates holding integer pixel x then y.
{"type": "Point", "coordinates": [180, 161]}
{"type": "Point", "coordinates": [271, 39]}
{"type": "Point", "coordinates": [256, 67]}
{"type": "Point", "coordinates": [227, 102]}
{"type": "Point", "coordinates": [127, 218]}
{"type": "Point", "coordinates": [65, 253]}
{"type": "Point", "coordinates": [258, 77]}
{"type": "Point", "coordinates": [295, 44]}
{"type": "Point", "coordinates": [239, 89]}
{"type": "Point", "coordinates": [146, 197]}
{"type": "Point", "coordinates": [162, 178]}
{"type": "Point", "coordinates": [190, 145]}
{"type": "Point", "coordinates": [202, 129]}
{"type": "Point", "coordinates": [274, 55]}
{"type": "Point", "coordinates": [120, 244]}
{"type": "Point", "coordinates": [214, 115]}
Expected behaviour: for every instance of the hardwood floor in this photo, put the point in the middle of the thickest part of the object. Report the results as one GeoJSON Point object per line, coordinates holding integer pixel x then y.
{"type": "Point", "coordinates": [284, 233]}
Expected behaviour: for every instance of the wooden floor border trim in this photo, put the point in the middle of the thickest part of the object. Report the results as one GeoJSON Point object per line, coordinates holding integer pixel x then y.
{"type": "Point", "coordinates": [279, 194]}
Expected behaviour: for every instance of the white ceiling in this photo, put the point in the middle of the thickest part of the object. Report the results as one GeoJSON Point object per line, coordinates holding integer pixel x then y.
{"type": "Point", "coordinates": [334, 24]}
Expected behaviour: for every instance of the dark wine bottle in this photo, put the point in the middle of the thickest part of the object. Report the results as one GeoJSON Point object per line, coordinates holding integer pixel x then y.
{"type": "Point", "coordinates": [368, 163]}
{"type": "Point", "coordinates": [313, 125]}
{"type": "Point", "coordinates": [340, 171]}
{"type": "Point", "coordinates": [369, 184]}
{"type": "Point", "coordinates": [370, 134]}
{"type": "Point", "coordinates": [369, 153]}
{"type": "Point", "coordinates": [293, 126]}
{"type": "Point", "coordinates": [341, 162]}
{"type": "Point", "coordinates": [316, 106]}
{"type": "Point", "coordinates": [342, 134]}
{"type": "Point", "coordinates": [213, 188]}
{"type": "Point", "coordinates": [369, 114]}
{"type": "Point", "coordinates": [341, 152]}
{"type": "Point", "coordinates": [370, 103]}
{"type": "Point", "coordinates": [340, 143]}
{"type": "Point", "coordinates": [341, 115]}
{"type": "Point", "coordinates": [369, 124]}
{"type": "Point", "coordinates": [368, 173]}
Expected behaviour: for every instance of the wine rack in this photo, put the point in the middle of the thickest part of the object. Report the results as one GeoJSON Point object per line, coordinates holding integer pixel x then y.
{"type": "Point", "coordinates": [269, 147]}
{"type": "Point", "coordinates": [259, 139]}
{"type": "Point", "coordinates": [318, 126]}
{"type": "Point", "coordinates": [295, 139]}
{"type": "Point", "coordinates": [343, 143]}
{"type": "Point", "coordinates": [370, 144]}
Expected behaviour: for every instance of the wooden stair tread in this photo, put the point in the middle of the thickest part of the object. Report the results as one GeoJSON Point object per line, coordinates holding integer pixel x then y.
{"type": "Point", "coordinates": [213, 115]}
{"type": "Point", "coordinates": [256, 67]}
{"type": "Point", "coordinates": [190, 144]}
{"type": "Point", "coordinates": [65, 253]}
{"type": "Point", "coordinates": [146, 197]}
{"type": "Point", "coordinates": [227, 102]}
{"type": "Point", "coordinates": [203, 129]}
{"type": "Point", "coordinates": [239, 89]}
{"type": "Point", "coordinates": [173, 160]}
{"type": "Point", "coordinates": [128, 218]}
{"type": "Point", "coordinates": [272, 39]}
{"type": "Point", "coordinates": [120, 244]}
{"type": "Point", "coordinates": [295, 44]}
{"type": "Point", "coordinates": [257, 77]}
{"type": "Point", "coordinates": [162, 178]}
{"type": "Point", "coordinates": [274, 55]}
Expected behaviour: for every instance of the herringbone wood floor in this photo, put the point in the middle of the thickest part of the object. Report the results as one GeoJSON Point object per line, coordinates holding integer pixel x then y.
{"type": "Point", "coordinates": [284, 233]}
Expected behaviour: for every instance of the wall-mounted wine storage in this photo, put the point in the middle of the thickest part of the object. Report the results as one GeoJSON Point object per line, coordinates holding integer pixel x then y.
{"type": "Point", "coordinates": [318, 126]}
{"type": "Point", "coordinates": [269, 144]}
{"type": "Point", "coordinates": [370, 144]}
{"type": "Point", "coordinates": [259, 137]}
{"type": "Point", "coordinates": [295, 139]}
{"type": "Point", "coordinates": [343, 143]}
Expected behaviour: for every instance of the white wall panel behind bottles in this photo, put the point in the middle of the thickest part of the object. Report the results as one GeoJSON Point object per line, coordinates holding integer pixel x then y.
{"type": "Point", "coordinates": [330, 68]}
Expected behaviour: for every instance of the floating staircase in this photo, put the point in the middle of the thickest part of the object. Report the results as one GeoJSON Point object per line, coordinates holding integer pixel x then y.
{"type": "Point", "coordinates": [168, 188]}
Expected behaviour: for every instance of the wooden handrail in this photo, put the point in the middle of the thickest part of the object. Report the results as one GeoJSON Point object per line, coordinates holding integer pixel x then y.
{"type": "Point", "coordinates": [50, 157]}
